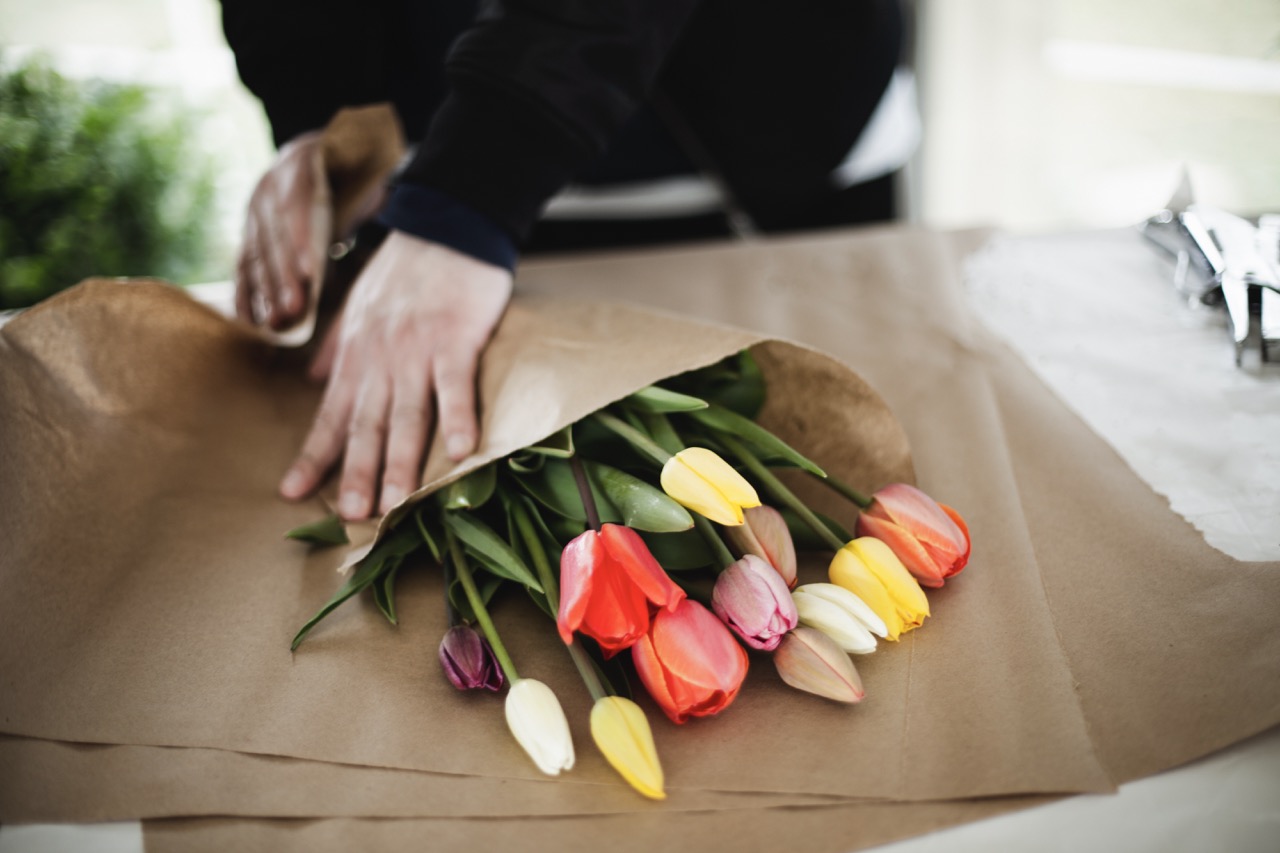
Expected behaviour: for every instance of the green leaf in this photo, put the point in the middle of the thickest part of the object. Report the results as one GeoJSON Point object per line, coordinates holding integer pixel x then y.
{"type": "Point", "coordinates": [559, 444]}
{"type": "Point", "coordinates": [660, 400]}
{"type": "Point", "coordinates": [744, 391]}
{"type": "Point", "coordinates": [804, 537]}
{"type": "Point", "coordinates": [384, 590]}
{"type": "Point", "coordinates": [679, 552]}
{"type": "Point", "coordinates": [393, 548]}
{"type": "Point", "coordinates": [326, 531]}
{"type": "Point", "coordinates": [555, 488]}
{"type": "Point", "coordinates": [365, 573]}
{"type": "Point", "coordinates": [659, 428]}
{"type": "Point", "coordinates": [489, 548]}
{"type": "Point", "coordinates": [470, 492]}
{"type": "Point", "coordinates": [526, 463]}
{"type": "Point", "coordinates": [462, 604]}
{"type": "Point", "coordinates": [432, 541]}
{"type": "Point", "coordinates": [726, 420]}
{"type": "Point", "coordinates": [641, 505]}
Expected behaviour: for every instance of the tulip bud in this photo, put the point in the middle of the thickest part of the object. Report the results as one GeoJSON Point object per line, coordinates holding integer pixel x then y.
{"type": "Point", "coordinates": [752, 599]}
{"type": "Point", "coordinates": [841, 615]}
{"type": "Point", "coordinates": [622, 733]}
{"type": "Point", "coordinates": [809, 660]}
{"type": "Point", "coordinates": [700, 480]}
{"type": "Point", "coordinates": [764, 533]}
{"type": "Point", "coordinates": [867, 568]}
{"type": "Point", "coordinates": [468, 661]}
{"type": "Point", "coordinates": [931, 539]}
{"type": "Point", "coordinates": [536, 719]}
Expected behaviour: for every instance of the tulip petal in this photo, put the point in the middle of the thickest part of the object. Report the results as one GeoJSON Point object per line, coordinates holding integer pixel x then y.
{"type": "Point", "coordinates": [906, 593]}
{"type": "Point", "coordinates": [809, 660]}
{"type": "Point", "coordinates": [848, 571]}
{"type": "Point", "coordinates": [627, 548]}
{"type": "Point", "coordinates": [578, 561]}
{"type": "Point", "coordinates": [963, 559]}
{"type": "Point", "coordinates": [683, 483]}
{"type": "Point", "coordinates": [711, 466]}
{"type": "Point", "coordinates": [689, 662]}
{"type": "Point", "coordinates": [764, 533]}
{"type": "Point", "coordinates": [538, 723]}
{"type": "Point", "coordinates": [911, 551]}
{"type": "Point", "coordinates": [848, 601]}
{"type": "Point", "coordinates": [622, 733]}
{"type": "Point", "coordinates": [832, 620]}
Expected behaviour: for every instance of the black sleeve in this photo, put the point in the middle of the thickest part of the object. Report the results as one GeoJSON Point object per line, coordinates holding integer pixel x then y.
{"type": "Point", "coordinates": [537, 89]}
{"type": "Point", "coordinates": [305, 59]}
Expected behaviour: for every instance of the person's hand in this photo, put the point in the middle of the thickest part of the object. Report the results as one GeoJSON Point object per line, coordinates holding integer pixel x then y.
{"type": "Point", "coordinates": [411, 334]}
{"type": "Point", "coordinates": [275, 264]}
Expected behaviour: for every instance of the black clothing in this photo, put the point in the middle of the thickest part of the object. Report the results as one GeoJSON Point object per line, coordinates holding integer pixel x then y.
{"type": "Point", "coordinates": [770, 96]}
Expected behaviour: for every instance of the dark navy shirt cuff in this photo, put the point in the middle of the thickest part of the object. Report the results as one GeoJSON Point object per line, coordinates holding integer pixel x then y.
{"type": "Point", "coordinates": [432, 215]}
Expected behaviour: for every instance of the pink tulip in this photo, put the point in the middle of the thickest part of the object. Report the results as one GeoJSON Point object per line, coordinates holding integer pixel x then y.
{"type": "Point", "coordinates": [752, 599]}
{"type": "Point", "coordinates": [765, 534]}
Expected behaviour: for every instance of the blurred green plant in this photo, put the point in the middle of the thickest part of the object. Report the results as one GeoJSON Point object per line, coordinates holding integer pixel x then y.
{"type": "Point", "coordinates": [96, 179]}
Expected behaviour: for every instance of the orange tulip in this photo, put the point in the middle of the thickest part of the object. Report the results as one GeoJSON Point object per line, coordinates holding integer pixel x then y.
{"type": "Point", "coordinates": [931, 539]}
{"type": "Point", "coordinates": [608, 580]}
{"type": "Point", "coordinates": [689, 662]}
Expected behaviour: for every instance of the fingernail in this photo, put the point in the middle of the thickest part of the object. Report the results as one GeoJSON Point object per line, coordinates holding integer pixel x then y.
{"type": "Point", "coordinates": [351, 505]}
{"type": "Point", "coordinates": [391, 495]}
{"type": "Point", "coordinates": [293, 484]}
{"type": "Point", "coordinates": [457, 446]}
{"type": "Point", "coordinates": [289, 301]}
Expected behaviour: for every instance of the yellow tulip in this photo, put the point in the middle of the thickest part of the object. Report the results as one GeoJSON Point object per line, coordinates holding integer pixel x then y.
{"type": "Point", "coordinates": [870, 570]}
{"type": "Point", "coordinates": [622, 733]}
{"type": "Point", "coordinates": [700, 480]}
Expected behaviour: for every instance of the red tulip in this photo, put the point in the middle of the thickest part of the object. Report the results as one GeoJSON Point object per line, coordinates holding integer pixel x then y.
{"type": "Point", "coordinates": [608, 581]}
{"type": "Point", "coordinates": [931, 539]}
{"type": "Point", "coordinates": [689, 662]}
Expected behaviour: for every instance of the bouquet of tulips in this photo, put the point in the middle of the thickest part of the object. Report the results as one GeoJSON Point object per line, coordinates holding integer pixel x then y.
{"type": "Point", "coordinates": [640, 529]}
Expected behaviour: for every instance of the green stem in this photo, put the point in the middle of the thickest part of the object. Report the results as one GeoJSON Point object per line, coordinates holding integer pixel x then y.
{"type": "Point", "coordinates": [713, 540]}
{"type": "Point", "coordinates": [846, 490]}
{"type": "Point", "coordinates": [524, 526]}
{"type": "Point", "coordinates": [587, 670]}
{"type": "Point", "coordinates": [449, 609]}
{"type": "Point", "coordinates": [477, 605]}
{"type": "Point", "coordinates": [584, 491]}
{"type": "Point", "coordinates": [779, 490]}
{"type": "Point", "coordinates": [634, 437]}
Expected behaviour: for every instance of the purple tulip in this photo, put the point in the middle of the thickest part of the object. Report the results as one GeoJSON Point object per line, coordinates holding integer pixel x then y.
{"type": "Point", "coordinates": [468, 660]}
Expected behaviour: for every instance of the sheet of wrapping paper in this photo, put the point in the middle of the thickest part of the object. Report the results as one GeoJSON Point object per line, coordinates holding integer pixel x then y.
{"type": "Point", "coordinates": [1172, 645]}
{"type": "Point", "coordinates": [162, 597]}
{"type": "Point", "coordinates": [1139, 734]}
{"type": "Point", "coordinates": [50, 781]}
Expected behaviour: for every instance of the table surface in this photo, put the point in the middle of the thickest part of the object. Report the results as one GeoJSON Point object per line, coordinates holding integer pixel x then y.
{"type": "Point", "coordinates": [1096, 316]}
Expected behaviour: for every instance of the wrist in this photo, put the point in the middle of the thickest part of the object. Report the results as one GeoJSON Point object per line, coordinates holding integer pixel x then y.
{"type": "Point", "coordinates": [433, 216]}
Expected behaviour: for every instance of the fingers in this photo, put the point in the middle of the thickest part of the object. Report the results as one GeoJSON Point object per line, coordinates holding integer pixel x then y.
{"type": "Point", "coordinates": [275, 266]}
{"type": "Point", "coordinates": [407, 430]}
{"type": "Point", "coordinates": [455, 390]}
{"type": "Point", "coordinates": [323, 444]}
{"type": "Point", "coordinates": [410, 336]}
{"type": "Point", "coordinates": [366, 435]}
